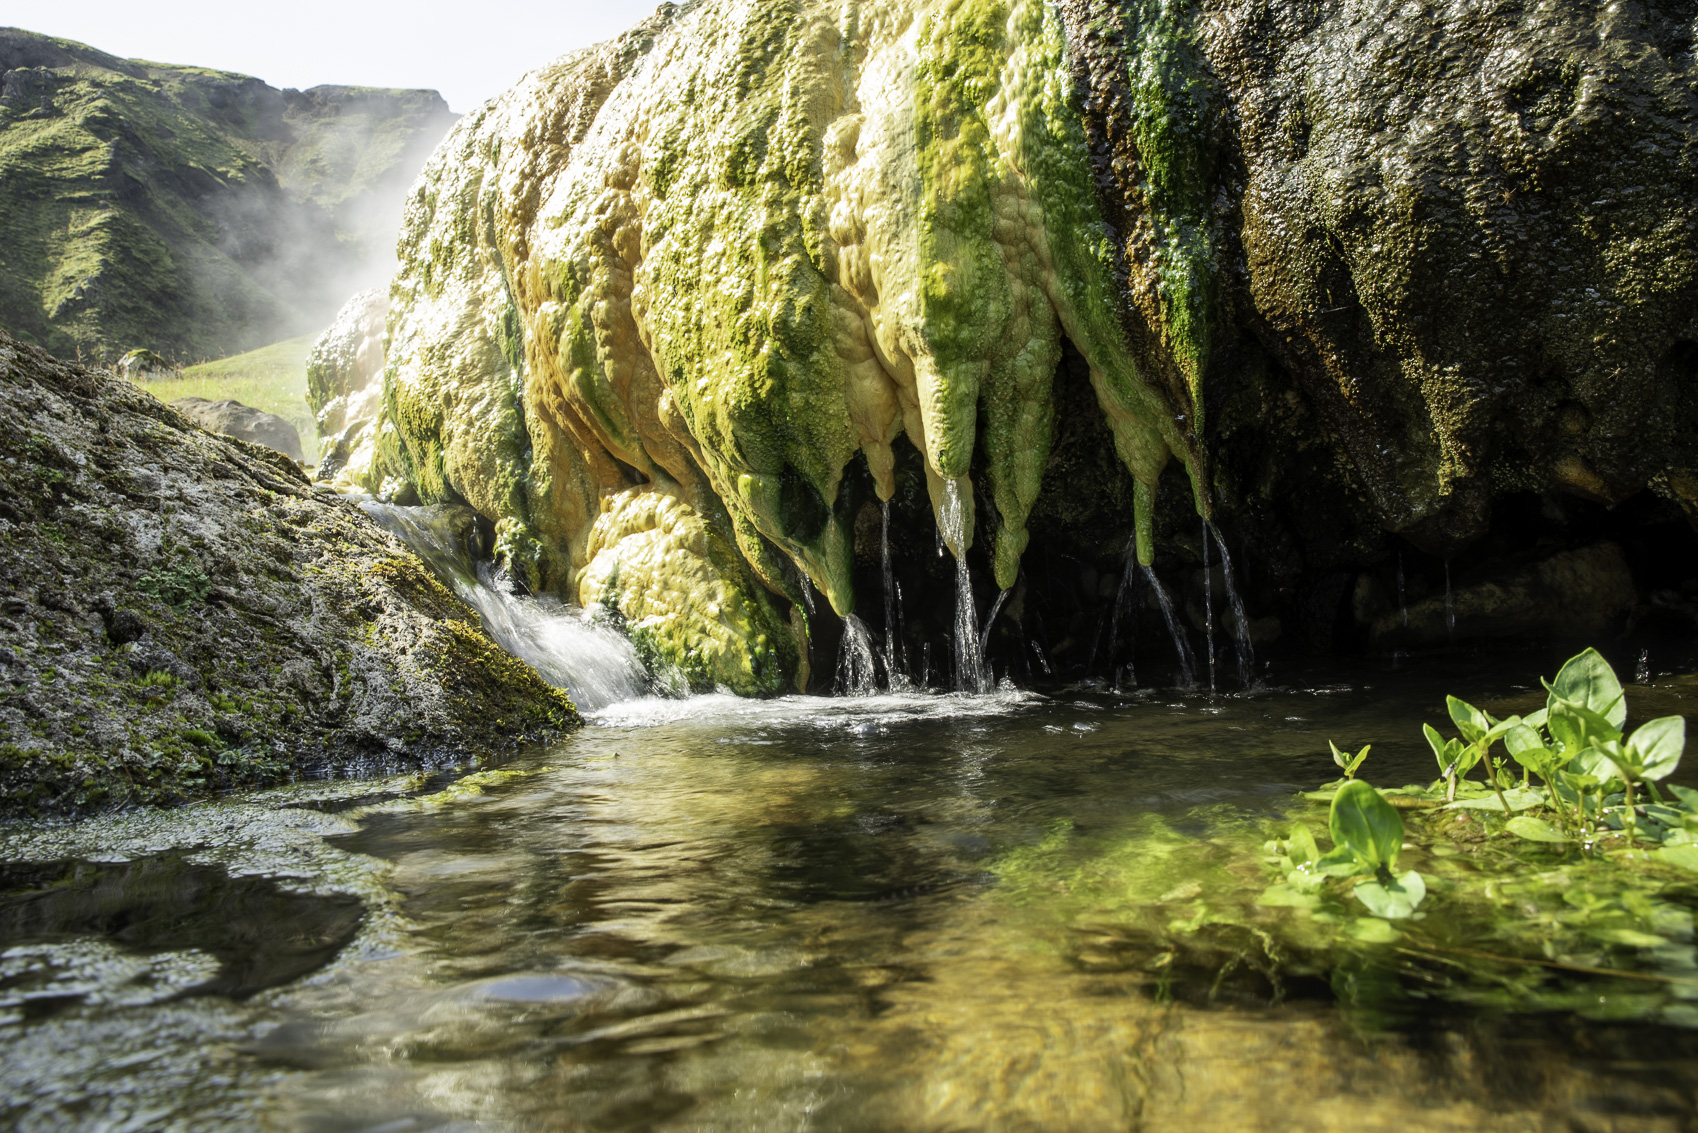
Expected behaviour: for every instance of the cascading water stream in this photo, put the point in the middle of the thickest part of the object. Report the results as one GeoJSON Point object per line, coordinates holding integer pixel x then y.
{"type": "Point", "coordinates": [1187, 667]}
{"type": "Point", "coordinates": [895, 654]}
{"type": "Point", "coordinates": [856, 672]}
{"type": "Point", "coordinates": [1240, 620]}
{"type": "Point", "coordinates": [970, 673]}
{"type": "Point", "coordinates": [569, 648]}
{"type": "Point", "coordinates": [1208, 607]}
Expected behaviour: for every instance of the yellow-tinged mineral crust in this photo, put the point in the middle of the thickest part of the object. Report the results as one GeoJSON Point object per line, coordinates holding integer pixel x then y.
{"type": "Point", "coordinates": [655, 299]}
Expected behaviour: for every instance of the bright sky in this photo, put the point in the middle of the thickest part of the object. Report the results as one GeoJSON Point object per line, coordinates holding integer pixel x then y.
{"type": "Point", "coordinates": [470, 51]}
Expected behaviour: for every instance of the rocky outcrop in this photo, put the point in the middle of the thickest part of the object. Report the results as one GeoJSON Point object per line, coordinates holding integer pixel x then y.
{"type": "Point", "coordinates": [345, 385]}
{"type": "Point", "coordinates": [195, 212]}
{"type": "Point", "coordinates": [1326, 275]}
{"type": "Point", "coordinates": [244, 422]}
{"type": "Point", "coordinates": [183, 613]}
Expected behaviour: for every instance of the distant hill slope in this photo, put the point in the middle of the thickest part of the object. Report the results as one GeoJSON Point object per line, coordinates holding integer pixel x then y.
{"type": "Point", "coordinates": [198, 213]}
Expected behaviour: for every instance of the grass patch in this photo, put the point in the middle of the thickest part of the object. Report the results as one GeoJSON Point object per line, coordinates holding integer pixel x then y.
{"type": "Point", "coordinates": [272, 378]}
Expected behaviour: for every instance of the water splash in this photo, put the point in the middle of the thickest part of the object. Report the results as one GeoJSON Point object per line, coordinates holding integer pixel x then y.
{"type": "Point", "coordinates": [970, 671]}
{"type": "Point", "coordinates": [856, 672]}
{"type": "Point", "coordinates": [1187, 667]}
{"type": "Point", "coordinates": [570, 648]}
{"type": "Point", "coordinates": [1241, 641]}
{"type": "Point", "coordinates": [1208, 606]}
{"type": "Point", "coordinates": [1643, 674]}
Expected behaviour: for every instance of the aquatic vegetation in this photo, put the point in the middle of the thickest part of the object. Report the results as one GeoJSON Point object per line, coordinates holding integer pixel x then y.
{"type": "Point", "coordinates": [1574, 892]}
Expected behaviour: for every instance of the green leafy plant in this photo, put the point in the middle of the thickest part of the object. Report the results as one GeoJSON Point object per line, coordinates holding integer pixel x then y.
{"type": "Point", "coordinates": [176, 585]}
{"type": "Point", "coordinates": [1346, 762]}
{"type": "Point", "coordinates": [1367, 834]}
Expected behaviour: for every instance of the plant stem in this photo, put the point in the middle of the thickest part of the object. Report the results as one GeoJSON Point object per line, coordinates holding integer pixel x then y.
{"type": "Point", "coordinates": [1630, 819]}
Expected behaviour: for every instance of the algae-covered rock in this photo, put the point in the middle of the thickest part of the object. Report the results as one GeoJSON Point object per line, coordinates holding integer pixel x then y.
{"type": "Point", "coordinates": [200, 212]}
{"type": "Point", "coordinates": [183, 613]}
{"type": "Point", "coordinates": [1353, 274]}
{"type": "Point", "coordinates": [244, 422]}
{"type": "Point", "coordinates": [345, 381]}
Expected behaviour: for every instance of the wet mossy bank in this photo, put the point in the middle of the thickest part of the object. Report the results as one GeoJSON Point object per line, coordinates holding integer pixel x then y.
{"type": "Point", "coordinates": [184, 613]}
{"type": "Point", "coordinates": [678, 313]}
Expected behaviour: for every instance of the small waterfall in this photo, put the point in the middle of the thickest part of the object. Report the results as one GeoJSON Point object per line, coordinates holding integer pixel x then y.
{"type": "Point", "coordinates": [1187, 668]}
{"type": "Point", "coordinates": [1449, 605]}
{"type": "Point", "coordinates": [569, 648]}
{"type": "Point", "coordinates": [1208, 607]}
{"type": "Point", "coordinates": [1240, 620]}
{"type": "Point", "coordinates": [970, 673]}
{"type": "Point", "coordinates": [895, 666]}
{"type": "Point", "coordinates": [856, 675]}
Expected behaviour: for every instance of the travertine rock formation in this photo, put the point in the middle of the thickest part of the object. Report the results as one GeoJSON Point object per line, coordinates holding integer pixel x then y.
{"type": "Point", "coordinates": [661, 302]}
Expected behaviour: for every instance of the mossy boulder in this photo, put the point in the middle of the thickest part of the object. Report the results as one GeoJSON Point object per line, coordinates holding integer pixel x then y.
{"type": "Point", "coordinates": [184, 614]}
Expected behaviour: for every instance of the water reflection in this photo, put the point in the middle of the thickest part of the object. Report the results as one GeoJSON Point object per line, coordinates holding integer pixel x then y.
{"type": "Point", "coordinates": [724, 914]}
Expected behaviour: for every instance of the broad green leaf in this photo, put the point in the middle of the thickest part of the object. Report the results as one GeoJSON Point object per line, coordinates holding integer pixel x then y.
{"type": "Point", "coordinates": [1518, 798]}
{"type": "Point", "coordinates": [1437, 743]}
{"type": "Point", "coordinates": [1534, 829]}
{"type": "Point", "coordinates": [1470, 721]}
{"type": "Point", "coordinates": [1527, 749]}
{"type": "Point", "coordinates": [1341, 861]}
{"type": "Point", "coordinates": [1362, 820]}
{"type": "Point", "coordinates": [1395, 898]}
{"type": "Point", "coordinates": [1687, 796]}
{"type": "Point", "coordinates": [1502, 728]}
{"type": "Point", "coordinates": [1536, 719]}
{"type": "Point", "coordinates": [1300, 846]}
{"type": "Point", "coordinates": [1577, 720]}
{"type": "Point", "coordinates": [1656, 746]}
{"type": "Point", "coordinates": [1285, 897]}
{"type": "Point", "coordinates": [1685, 856]}
{"type": "Point", "coordinates": [1371, 930]}
{"type": "Point", "coordinates": [1588, 680]}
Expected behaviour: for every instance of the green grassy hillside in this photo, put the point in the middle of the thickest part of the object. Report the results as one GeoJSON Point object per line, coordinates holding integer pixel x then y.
{"type": "Point", "coordinates": [272, 378]}
{"type": "Point", "coordinates": [194, 212]}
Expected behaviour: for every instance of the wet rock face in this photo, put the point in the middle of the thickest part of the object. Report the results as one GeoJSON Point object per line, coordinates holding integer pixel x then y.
{"type": "Point", "coordinates": [183, 612]}
{"type": "Point", "coordinates": [345, 384]}
{"type": "Point", "coordinates": [244, 422]}
{"type": "Point", "coordinates": [1330, 274]}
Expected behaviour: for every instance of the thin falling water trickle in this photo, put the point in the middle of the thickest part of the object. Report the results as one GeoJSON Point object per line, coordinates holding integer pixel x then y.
{"type": "Point", "coordinates": [1187, 667]}
{"type": "Point", "coordinates": [1124, 595]}
{"type": "Point", "coordinates": [1449, 606]}
{"type": "Point", "coordinates": [1208, 607]}
{"type": "Point", "coordinates": [970, 674]}
{"type": "Point", "coordinates": [1643, 674]}
{"type": "Point", "coordinates": [1245, 648]}
{"type": "Point", "coordinates": [990, 619]}
{"type": "Point", "coordinates": [856, 672]}
{"type": "Point", "coordinates": [1402, 602]}
{"type": "Point", "coordinates": [895, 667]}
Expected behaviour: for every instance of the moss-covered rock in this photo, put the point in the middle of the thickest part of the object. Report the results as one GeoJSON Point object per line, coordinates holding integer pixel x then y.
{"type": "Point", "coordinates": [1326, 262]}
{"type": "Point", "coordinates": [184, 613]}
{"type": "Point", "coordinates": [197, 213]}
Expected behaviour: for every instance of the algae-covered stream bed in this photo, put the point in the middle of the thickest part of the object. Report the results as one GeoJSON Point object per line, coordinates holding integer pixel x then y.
{"type": "Point", "coordinates": [1016, 911]}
